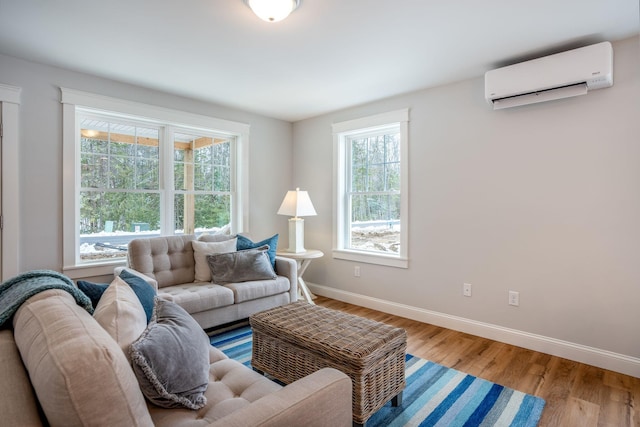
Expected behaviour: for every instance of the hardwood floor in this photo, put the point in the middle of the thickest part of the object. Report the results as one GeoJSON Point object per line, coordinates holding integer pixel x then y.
{"type": "Point", "coordinates": [576, 394]}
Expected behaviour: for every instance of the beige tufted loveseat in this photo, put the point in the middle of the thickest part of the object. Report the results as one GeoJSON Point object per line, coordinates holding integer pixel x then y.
{"type": "Point", "coordinates": [168, 264]}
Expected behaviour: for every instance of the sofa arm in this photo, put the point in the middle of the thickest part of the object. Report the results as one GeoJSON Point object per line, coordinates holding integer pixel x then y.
{"type": "Point", "coordinates": [152, 282]}
{"type": "Point", "coordinates": [317, 400]}
{"type": "Point", "coordinates": [18, 403]}
{"type": "Point", "coordinates": [289, 268]}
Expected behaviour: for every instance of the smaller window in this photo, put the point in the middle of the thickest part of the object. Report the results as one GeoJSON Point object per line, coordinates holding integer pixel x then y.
{"type": "Point", "coordinates": [371, 189]}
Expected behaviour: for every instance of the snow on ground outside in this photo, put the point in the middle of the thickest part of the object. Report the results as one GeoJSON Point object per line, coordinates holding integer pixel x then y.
{"type": "Point", "coordinates": [385, 238]}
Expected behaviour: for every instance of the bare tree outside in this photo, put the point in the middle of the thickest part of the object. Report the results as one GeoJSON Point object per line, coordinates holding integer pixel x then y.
{"type": "Point", "coordinates": [375, 192]}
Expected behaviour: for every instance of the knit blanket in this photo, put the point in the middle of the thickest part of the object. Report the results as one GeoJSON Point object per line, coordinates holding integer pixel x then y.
{"type": "Point", "coordinates": [17, 290]}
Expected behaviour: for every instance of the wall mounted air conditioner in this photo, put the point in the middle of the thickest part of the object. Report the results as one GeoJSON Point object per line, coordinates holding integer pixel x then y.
{"type": "Point", "coordinates": [562, 75]}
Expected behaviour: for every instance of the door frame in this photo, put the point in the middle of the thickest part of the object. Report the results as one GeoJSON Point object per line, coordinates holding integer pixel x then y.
{"type": "Point", "coordinates": [9, 182]}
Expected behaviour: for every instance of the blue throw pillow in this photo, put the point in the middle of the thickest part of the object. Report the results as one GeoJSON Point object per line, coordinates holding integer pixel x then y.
{"type": "Point", "coordinates": [246, 243]}
{"type": "Point", "coordinates": [143, 290]}
{"type": "Point", "coordinates": [93, 290]}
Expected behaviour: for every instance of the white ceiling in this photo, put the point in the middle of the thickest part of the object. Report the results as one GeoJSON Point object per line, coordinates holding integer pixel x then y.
{"type": "Point", "coordinates": [327, 55]}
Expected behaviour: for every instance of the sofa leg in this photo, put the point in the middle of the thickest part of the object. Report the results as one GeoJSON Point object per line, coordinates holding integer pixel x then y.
{"type": "Point", "coordinates": [397, 400]}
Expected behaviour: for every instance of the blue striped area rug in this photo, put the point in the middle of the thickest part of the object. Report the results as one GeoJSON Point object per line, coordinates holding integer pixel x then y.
{"type": "Point", "coordinates": [435, 395]}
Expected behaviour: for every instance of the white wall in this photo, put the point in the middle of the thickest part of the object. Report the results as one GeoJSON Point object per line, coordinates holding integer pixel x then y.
{"type": "Point", "coordinates": [40, 152]}
{"type": "Point", "coordinates": [542, 199]}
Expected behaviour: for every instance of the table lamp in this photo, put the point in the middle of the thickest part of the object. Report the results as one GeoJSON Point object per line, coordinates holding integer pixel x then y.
{"type": "Point", "coordinates": [296, 203]}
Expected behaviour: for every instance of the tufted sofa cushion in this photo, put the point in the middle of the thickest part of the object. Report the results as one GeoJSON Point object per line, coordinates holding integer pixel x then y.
{"type": "Point", "coordinates": [247, 291]}
{"type": "Point", "coordinates": [169, 260]}
{"type": "Point", "coordinates": [231, 387]}
{"type": "Point", "coordinates": [197, 297]}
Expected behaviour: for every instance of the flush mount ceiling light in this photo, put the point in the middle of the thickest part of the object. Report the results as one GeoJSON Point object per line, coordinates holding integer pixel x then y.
{"type": "Point", "coordinates": [272, 10]}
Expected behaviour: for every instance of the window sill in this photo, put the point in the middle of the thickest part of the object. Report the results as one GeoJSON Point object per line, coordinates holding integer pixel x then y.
{"type": "Point", "coordinates": [371, 258]}
{"type": "Point", "coordinates": [92, 270]}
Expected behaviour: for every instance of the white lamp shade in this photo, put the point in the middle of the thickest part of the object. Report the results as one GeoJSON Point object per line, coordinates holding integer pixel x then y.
{"type": "Point", "coordinates": [272, 10]}
{"type": "Point", "coordinates": [297, 203]}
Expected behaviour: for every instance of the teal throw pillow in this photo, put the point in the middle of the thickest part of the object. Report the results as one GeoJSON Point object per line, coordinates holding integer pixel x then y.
{"type": "Point", "coordinates": [246, 243]}
{"type": "Point", "coordinates": [142, 289]}
{"type": "Point", "coordinates": [93, 290]}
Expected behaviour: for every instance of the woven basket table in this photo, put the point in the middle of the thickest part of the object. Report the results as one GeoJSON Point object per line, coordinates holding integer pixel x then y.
{"type": "Point", "coordinates": [295, 340]}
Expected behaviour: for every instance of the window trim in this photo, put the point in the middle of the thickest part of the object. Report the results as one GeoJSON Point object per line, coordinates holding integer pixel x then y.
{"type": "Point", "coordinates": [341, 131]}
{"type": "Point", "coordinates": [72, 99]}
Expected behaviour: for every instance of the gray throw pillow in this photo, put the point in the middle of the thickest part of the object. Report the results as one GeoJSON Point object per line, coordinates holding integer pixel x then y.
{"type": "Point", "coordinates": [171, 358]}
{"type": "Point", "coordinates": [241, 266]}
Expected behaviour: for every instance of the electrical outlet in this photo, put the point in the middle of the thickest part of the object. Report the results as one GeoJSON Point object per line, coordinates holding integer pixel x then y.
{"type": "Point", "coordinates": [514, 298]}
{"type": "Point", "coordinates": [466, 289]}
{"type": "Point", "coordinates": [356, 271]}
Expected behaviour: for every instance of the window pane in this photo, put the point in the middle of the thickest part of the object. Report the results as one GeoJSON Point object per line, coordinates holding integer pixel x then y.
{"type": "Point", "coordinates": [359, 164]}
{"type": "Point", "coordinates": [119, 156]}
{"type": "Point", "coordinates": [222, 178]}
{"type": "Point", "coordinates": [204, 167]}
{"type": "Point", "coordinates": [375, 163]}
{"type": "Point", "coordinates": [392, 162]}
{"type": "Point", "coordinates": [147, 172]}
{"type": "Point", "coordinates": [377, 150]}
{"type": "Point", "coordinates": [178, 176]}
{"type": "Point", "coordinates": [147, 166]}
{"type": "Point", "coordinates": [124, 157]}
{"type": "Point", "coordinates": [204, 151]}
{"type": "Point", "coordinates": [93, 144]}
{"type": "Point", "coordinates": [393, 177]}
{"type": "Point", "coordinates": [178, 153]}
{"type": "Point", "coordinates": [147, 142]}
{"type": "Point", "coordinates": [94, 170]}
{"type": "Point", "coordinates": [203, 180]}
{"type": "Point", "coordinates": [375, 208]}
{"type": "Point", "coordinates": [210, 212]}
{"type": "Point", "coordinates": [109, 220]}
{"type": "Point", "coordinates": [376, 177]}
{"type": "Point", "coordinates": [121, 148]}
{"type": "Point", "coordinates": [148, 152]}
{"type": "Point", "coordinates": [222, 165]}
{"type": "Point", "coordinates": [121, 173]}
{"type": "Point", "coordinates": [375, 223]}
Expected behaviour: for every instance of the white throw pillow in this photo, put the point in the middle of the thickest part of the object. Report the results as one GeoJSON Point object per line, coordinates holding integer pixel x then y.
{"type": "Point", "coordinates": [121, 314]}
{"type": "Point", "coordinates": [202, 249]}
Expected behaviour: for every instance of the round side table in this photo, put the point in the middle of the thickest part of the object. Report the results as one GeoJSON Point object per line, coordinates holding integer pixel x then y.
{"type": "Point", "coordinates": [303, 259]}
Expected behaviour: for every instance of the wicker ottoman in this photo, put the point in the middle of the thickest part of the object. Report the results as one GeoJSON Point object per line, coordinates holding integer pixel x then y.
{"type": "Point", "coordinates": [292, 341]}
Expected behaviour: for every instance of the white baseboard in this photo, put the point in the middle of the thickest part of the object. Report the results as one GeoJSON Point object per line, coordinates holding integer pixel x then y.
{"type": "Point", "coordinates": [580, 353]}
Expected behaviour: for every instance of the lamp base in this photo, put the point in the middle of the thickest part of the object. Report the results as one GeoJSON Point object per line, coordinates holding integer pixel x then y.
{"type": "Point", "coordinates": [296, 235]}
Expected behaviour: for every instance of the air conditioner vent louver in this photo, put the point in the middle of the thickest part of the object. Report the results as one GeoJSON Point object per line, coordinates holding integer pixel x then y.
{"type": "Point", "coordinates": [562, 75]}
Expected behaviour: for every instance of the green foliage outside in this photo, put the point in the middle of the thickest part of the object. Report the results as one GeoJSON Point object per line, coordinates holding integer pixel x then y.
{"type": "Point", "coordinates": [124, 209]}
{"type": "Point", "coordinates": [211, 211]}
{"type": "Point", "coordinates": [120, 186]}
